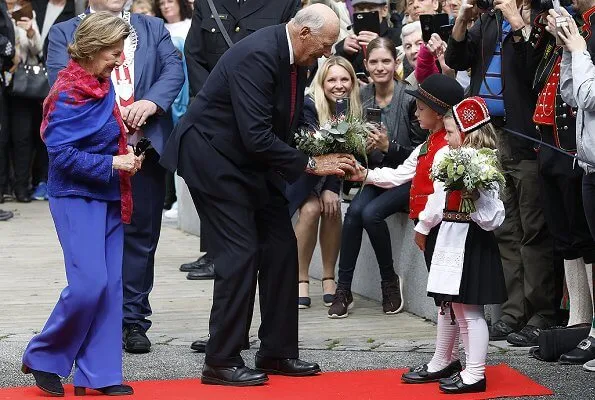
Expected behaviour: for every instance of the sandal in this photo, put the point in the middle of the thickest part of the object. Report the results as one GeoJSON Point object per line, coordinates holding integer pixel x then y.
{"type": "Point", "coordinates": [327, 298]}
{"type": "Point", "coordinates": [304, 302]}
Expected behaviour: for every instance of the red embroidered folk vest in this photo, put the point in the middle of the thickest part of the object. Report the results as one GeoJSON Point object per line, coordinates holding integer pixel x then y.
{"type": "Point", "coordinates": [421, 185]}
{"type": "Point", "coordinates": [453, 200]}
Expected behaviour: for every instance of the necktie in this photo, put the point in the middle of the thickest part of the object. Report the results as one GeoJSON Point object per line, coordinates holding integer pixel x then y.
{"type": "Point", "coordinates": [293, 76]}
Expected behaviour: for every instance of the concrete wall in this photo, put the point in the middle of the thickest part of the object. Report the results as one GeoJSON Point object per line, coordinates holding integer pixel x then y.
{"type": "Point", "coordinates": [408, 259]}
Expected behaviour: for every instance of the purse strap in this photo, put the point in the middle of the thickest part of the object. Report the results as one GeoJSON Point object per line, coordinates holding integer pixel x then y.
{"type": "Point", "coordinates": [215, 15]}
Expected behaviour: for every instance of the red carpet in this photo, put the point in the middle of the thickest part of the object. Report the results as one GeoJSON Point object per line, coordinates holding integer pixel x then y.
{"type": "Point", "coordinates": [503, 381]}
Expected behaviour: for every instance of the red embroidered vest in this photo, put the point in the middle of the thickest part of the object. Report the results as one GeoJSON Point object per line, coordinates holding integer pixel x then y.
{"type": "Point", "coordinates": [421, 185]}
{"type": "Point", "coordinates": [453, 201]}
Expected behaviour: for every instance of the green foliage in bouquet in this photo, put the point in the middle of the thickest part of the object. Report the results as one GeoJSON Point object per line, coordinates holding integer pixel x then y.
{"type": "Point", "coordinates": [339, 135]}
{"type": "Point", "coordinates": [468, 169]}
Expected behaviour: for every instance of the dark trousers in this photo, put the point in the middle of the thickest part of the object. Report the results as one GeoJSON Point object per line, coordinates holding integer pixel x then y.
{"type": "Point", "coordinates": [17, 135]}
{"type": "Point", "coordinates": [368, 210]}
{"type": "Point", "coordinates": [248, 242]}
{"type": "Point", "coordinates": [140, 240]}
{"type": "Point", "coordinates": [526, 249]}
{"type": "Point", "coordinates": [561, 181]}
{"type": "Point", "coordinates": [589, 200]}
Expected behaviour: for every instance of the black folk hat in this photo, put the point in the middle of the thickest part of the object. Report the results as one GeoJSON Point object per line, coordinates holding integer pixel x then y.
{"type": "Point", "coordinates": [439, 92]}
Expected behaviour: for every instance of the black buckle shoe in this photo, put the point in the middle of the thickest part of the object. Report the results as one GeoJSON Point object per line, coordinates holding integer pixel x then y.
{"type": "Point", "coordinates": [46, 381]}
{"type": "Point", "coordinates": [232, 376]}
{"type": "Point", "coordinates": [198, 264]}
{"type": "Point", "coordinates": [527, 337]}
{"type": "Point", "coordinates": [204, 273]}
{"type": "Point", "coordinates": [421, 375]}
{"type": "Point", "coordinates": [285, 366]}
{"type": "Point", "coordinates": [115, 390]}
{"type": "Point", "coordinates": [582, 353]}
{"type": "Point", "coordinates": [135, 340]}
{"type": "Point", "coordinates": [458, 386]}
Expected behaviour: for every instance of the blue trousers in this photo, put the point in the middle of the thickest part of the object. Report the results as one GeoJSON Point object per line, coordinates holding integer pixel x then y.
{"type": "Point", "coordinates": [85, 327]}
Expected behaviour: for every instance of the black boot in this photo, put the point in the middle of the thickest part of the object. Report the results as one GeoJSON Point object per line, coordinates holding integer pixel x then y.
{"type": "Point", "coordinates": [46, 381]}
{"type": "Point", "coordinates": [22, 195]}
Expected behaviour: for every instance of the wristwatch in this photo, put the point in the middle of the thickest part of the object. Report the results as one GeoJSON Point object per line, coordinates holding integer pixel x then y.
{"type": "Point", "coordinates": [311, 166]}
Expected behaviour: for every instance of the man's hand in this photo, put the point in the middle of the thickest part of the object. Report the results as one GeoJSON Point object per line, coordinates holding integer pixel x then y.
{"type": "Point", "coordinates": [420, 240]}
{"type": "Point", "coordinates": [568, 33]}
{"type": "Point", "coordinates": [365, 37]}
{"type": "Point", "coordinates": [136, 114]}
{"type": "Point", "coordinates": [351, 45]}
{"type": "Point", "coordinates": [333, 164]}
{"type": "Point", "coordinates": [510, 12]}
{"type": "Point", "coordinates": [330, 204]}
{"type": "Point", "coordinates": [378, 138]}
{"type": "Point", "coordinates": [466, 11]}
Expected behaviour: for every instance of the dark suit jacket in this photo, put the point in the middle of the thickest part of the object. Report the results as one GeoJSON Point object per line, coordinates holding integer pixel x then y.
{"type": "Point", "coordinates": [40, 7]}
{"type": "Point", "coordinates": [205, 44]}
{"type": "Point", "coordinates": [232, 142]}
{"type": "Point", "coordinates": [158, 72]}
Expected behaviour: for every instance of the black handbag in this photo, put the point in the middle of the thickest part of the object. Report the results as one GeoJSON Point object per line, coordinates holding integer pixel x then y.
{"type": "Point", "coordinates": [554, 342]}
{"type": "Point", "coordinates": [30, 82]}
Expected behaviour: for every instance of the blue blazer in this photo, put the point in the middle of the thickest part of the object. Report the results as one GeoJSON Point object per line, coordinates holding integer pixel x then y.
{"type": "Point", "coordinates": [158, 72]}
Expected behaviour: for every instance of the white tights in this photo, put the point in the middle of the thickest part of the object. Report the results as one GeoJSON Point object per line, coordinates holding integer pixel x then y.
{"type": "Point", "coordinates": [475, 336]}
{"type": "Point", "coordinates": [579, 281]}
{"type": "Point", "coordinates": [447, 342]}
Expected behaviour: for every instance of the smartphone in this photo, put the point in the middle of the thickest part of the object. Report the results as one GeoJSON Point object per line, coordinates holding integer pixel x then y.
{"type": "Point", "coordinates": [445, 32]}
{"type": "Point", "coordinates": [366, 21]}
{"type": "Point", "coordinates": [374, 115]}
{"type": "Point", "coordinates": [362, 77]}
{"type": "Point", "coordinates": [342, 106]}
{"type": "Point", "coordinates": [142, 146]}
{"type": "Point", "coordinates": [25, 11]}
{"type": "Point", "coordinates": [433, 23]}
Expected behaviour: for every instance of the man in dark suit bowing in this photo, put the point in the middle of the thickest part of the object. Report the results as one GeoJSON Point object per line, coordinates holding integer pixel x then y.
{"type": "Point", "coordinates": [146, 84]}
{"type": "Point", "coordinates": [231, 148]}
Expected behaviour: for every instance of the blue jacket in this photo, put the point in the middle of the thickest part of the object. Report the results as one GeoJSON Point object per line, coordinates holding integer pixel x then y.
{"type": "Point", "coordinates": [158, 72]}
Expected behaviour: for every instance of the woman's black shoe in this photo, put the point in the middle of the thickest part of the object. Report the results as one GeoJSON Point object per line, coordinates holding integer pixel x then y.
{"type": "Point", "coordinates": [46, 381]}
{"type": "Point", "coordinates": [457, 386]}
{"type": "Point", "coordinates": [421, 375]}
{"type": "Point", "coordinates": [22, 196]}
{"type": "Point", "coordinates": [115, 390]}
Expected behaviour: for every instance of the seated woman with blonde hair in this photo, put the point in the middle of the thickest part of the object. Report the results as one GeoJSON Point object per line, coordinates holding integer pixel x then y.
{"type": "Point", "coordinates": [90, 196]}
{"type": "Point", "coordinates": [317, 198]}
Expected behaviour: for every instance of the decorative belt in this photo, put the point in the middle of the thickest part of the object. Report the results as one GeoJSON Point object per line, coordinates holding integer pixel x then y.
{"type": "Point", "coordinates": [454, 216]}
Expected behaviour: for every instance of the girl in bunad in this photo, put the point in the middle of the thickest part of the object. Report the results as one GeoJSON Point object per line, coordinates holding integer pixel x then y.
{"type": "Point", "coordinates": [464, 261]}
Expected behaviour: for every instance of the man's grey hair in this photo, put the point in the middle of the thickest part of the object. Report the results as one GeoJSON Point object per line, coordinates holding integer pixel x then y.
{"type": "Point", "coordinates": [308, 17]}
{"type": "Point", "coordinates": [410, 28]}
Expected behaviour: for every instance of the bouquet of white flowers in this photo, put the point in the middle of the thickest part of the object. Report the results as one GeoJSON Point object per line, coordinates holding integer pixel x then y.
{"type": "Point", "coordinates": [339, 135]}
{"type": "Point", "coordinates": [468, 169]}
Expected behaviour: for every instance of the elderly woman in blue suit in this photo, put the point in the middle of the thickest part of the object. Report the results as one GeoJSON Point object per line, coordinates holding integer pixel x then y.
{"type": "Point", "coordinates": [90, 197]}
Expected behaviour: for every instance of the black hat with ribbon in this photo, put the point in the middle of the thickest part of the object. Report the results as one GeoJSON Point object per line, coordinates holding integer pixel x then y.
{"type": "Point", "coordinates": [439, 92]}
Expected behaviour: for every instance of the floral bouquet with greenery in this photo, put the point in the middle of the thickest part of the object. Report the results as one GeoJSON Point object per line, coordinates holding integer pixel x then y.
{"type": "Point", "coordinates": [468, 169]}
{"type": "Point", "coordinates": [339, 135]}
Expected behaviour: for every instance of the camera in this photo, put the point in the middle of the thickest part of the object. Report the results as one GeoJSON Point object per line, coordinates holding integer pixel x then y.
{"type": "Point", "coordinates": [484, 5]}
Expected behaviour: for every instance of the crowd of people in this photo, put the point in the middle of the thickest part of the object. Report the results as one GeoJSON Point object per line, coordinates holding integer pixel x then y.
{"type": "Point", "coordinates": [513, 75]}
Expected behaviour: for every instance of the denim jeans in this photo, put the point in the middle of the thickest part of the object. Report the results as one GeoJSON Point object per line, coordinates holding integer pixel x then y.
{"type": "Point", "coordinates": [368, 210]}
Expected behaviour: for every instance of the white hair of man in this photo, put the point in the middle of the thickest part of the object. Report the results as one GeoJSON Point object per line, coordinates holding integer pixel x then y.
{"type": "Point", "coordinates": [310, 17]}
{"type": "Point", "coordinates": [409, 29]}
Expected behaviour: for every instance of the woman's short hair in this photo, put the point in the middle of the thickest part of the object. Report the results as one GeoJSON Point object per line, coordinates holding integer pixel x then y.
{"type": "Point", "coordinates": [410, 28]}
{"type": "Point", "coordinates": [98, 31]}
{"type": "Point", "coordinates": [382, 43]}
{"type": "Point", "coordinates": [316, 90]}
{"type": "Point", "coordinates": [185, 10]}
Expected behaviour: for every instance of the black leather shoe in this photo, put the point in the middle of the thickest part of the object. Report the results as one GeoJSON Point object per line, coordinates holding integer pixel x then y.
{"type": "Point", "coordinates": [198, 264]}
{"type": "Point", "coordinates": [135, 340]}
{"type": "Point", "coordinates": [205, 273]}
{"type": "Point", "coordinates": [5, 215]}
{"type": "Point", "coordinates": [46, 381]}
{"type": "Point", "coordinates": [285, 366]}
{"type": "Point", "coordinates": [232, 376]}
{"type": "Point", "coordinates": [115, 390]}
{"type": "Point", "coordinates": [22, 196]}
{"type": "Point", "coordinates": [583, 352]}
{"type": "Point", "coordinates": [449, 380]}
{"type": "Point", "coordinates": [500, 330]}
{"type": "Point", "coordinates": [527, 337]}
{"type": "Point", "coordinates": [199, 345]}
{"type": "Point", "coordinates": [457, 386]}
{"type": "Point", "coordinates": [421, 375]}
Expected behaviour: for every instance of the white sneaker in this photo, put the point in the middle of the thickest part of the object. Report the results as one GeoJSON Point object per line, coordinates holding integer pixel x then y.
{"type": "Point", "coordinates": [590, 366]}
{"type": "Point", "coordinates": [173, 212]}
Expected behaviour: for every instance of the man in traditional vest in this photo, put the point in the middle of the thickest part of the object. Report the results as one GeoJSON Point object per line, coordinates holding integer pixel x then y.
{"type": "Point", "coordinates": [146, 85]}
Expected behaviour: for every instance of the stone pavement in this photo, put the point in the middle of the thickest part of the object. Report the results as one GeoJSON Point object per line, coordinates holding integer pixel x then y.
{"type": "Point", "coordinates": [32, 276]}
